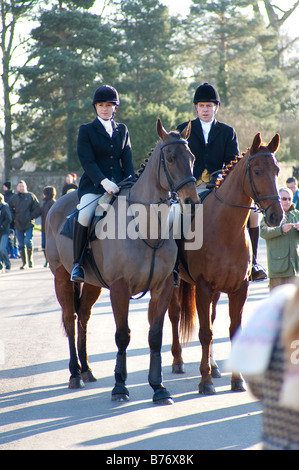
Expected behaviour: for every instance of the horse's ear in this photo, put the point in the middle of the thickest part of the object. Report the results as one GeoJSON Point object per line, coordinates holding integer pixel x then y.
{"type": "Point", "coordinates": [256, 144]}
{"type": "Point", "coordinates": [185, 134]}
{"type": "Point", "coordinates": [161, 131]}
{"type": "Point", "coordinates": [274, 144]}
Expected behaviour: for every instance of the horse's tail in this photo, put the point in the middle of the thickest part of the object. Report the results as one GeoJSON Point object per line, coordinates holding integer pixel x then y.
{"type": "Point", "coordinates": [188, 310]}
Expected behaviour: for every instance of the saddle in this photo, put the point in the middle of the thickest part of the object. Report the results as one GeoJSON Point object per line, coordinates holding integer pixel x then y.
{"type": "Point", "coordinates": [101, 211]}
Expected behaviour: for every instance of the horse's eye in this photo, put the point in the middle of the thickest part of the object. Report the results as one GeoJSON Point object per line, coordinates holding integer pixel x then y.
{"type": "Point", "coordinates": [170, 158]}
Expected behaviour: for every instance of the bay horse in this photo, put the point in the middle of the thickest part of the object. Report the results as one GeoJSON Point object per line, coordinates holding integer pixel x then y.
{"type": "Point", "coordinates": [223, 262]}
{"type": "Point", "coordinates": [126, 265]}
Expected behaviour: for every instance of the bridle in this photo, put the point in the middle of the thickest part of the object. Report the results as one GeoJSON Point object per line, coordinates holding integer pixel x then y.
{"type": "Point", "coordinates": [174, 188]}
{"type": "Point", "coordinates": [256, 198]}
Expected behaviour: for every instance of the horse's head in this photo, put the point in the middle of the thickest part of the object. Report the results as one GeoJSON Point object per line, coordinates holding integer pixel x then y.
{"type": "Point", "coordinates": [177, 162]}
{"type": "Point", "coordinates": [262, 170]}
{"type": "Point", "coordinates": [296, 172]}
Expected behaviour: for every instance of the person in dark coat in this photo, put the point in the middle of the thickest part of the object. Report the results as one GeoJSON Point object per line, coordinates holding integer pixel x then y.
{"type": "Point", "coordinates": [49, 193]}
{"type": "Point", "coordinates": [12, 242]}
{"type": "Point", "coordinates": [214, 145]}
{"type": "Point", "coordinates": [104, 150]}
{"type": "Point", "coordinates": [7, 191]}
{"type": "Point", "coordinates": [25, 208]}
{"type": "Point", "coordinates": [5, 220]}
{"type": "Point", "coordinates": [69, 184]}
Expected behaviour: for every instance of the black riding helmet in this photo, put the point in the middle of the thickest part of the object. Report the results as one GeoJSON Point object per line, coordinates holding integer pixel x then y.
{"type": "Point", "coordinates": [206, 93]}
{"type": "Point", "coordinates": [106, 94]}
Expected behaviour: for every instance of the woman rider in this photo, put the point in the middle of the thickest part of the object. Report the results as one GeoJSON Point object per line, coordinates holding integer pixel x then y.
{"type": "Point", "coordinates": [104, 150]}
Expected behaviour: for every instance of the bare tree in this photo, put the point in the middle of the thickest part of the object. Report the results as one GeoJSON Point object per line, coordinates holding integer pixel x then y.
{"type": "Point", "coordinates": [12, 12]}
{"type": "Point", "coordinates": [272, 44]}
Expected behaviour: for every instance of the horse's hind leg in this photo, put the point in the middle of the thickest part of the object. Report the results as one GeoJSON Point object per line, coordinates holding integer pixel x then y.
{"type": "Point", "coordinates": [120, 299]}
{"type": "Point", "coordinates": [89, 296]}
{"type": "Point", "coordinates": [174, 311]}
{"type": "Point", "coordinates": [65, 296]}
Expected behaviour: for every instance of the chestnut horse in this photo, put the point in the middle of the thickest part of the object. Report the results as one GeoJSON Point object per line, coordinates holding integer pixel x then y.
{"type": "Point", "coordinates": [223, 263]}
{"type": "Point", "coordinates": [127, 266]}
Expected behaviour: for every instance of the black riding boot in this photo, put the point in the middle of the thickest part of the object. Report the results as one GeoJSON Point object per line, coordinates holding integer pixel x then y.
{"type": "Point", "coordinates": [257, 272]}
{"type": "Point", "coordinates": [79, 245]}
{"type": "Point", "coordinates": [30, 260]}
{"type": "Point", "coordinates": [23, 257]}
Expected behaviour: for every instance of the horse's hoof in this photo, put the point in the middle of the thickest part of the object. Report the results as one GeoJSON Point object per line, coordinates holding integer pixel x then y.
{"type": "Point", "coordinates": [238, 386]}
{"type": "Point", "coordinates": [88, 376]}
{"type": "Point", "coordinates": [162, 397]}
{"type": "Point", "coordinates": [215, 372]}
{"type": "Point", "coordinates": [206, 389]}
{"type": "Point", "coordinates": [120, 397]}
{"type": "Point", "coordinates": [76, 382]}
{"type": "Point", "coordinates": [120, 393]}
{"type": "Point", "coordinates": [178, 368]}
{"type": "Point", "coordinates": [164, 401]}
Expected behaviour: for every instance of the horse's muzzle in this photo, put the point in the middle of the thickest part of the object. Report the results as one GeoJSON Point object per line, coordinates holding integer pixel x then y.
{"type": "Point", "coordinates": [273, 218]}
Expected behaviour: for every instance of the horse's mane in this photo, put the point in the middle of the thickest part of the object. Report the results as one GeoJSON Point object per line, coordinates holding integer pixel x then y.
{"type": "Point", "coordinates": [228, 168]}
{"type": "Point", "coordinates": [142, 166]}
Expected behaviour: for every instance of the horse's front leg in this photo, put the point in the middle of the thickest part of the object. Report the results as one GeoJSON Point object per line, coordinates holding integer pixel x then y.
{"type": "Point", "coordinates": [156, 314]}
{"type": "Point", "coordinates": [89, 296]}
{"type": "Point", "coordinates": [120, 299]}
{"type": "Point", "coordinates": [203, 301]}
{"type": "Point", "coordinates": [174, 312]}
{"type": "Point", "coordinates": [65, 295]}
{"type": "Point", "coordinates": [215, 371]}
{"type": "Point", "coordinates": [236, 305]}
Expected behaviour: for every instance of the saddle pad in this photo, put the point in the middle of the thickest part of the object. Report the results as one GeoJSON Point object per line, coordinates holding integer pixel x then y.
{"type": "Point", "coordinates": [68, 227]}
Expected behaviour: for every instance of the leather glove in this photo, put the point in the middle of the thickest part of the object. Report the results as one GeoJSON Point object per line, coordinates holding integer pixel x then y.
{"type": "Point", "coordinates": [109, 186]}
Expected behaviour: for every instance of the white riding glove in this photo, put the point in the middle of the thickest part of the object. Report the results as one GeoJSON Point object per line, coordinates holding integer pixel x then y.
{"type": "Point", "coordinates": [109, 186]}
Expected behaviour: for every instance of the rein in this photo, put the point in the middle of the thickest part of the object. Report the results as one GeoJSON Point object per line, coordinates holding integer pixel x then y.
{"type": "Point", "coordinates": [256, 198]}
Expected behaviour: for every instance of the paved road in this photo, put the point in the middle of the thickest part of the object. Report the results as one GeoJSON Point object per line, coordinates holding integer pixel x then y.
{"type": "Point", "coordinates": [38, 411]}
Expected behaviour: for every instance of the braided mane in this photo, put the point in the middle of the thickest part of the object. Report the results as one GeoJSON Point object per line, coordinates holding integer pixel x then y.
{"type": "Point", "coordinates": [142, 166]}
{"type": "Point", "coordinates": [227, 170]}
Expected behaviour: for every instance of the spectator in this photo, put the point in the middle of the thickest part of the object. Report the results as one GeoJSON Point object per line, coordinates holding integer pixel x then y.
{"type": "Point", "coordinates": [75, 177]}
{"type": "Point", "coordinates": [12, 245]}
{"type": "Point", "coordinates": [69, 185]}
{"type": "Point", "coordinates": [5, 220]}
{"type": "Point", "coordinates": [25, 209]}
{"type": "Point", "coordinates": [266, 352]}
{"type": "Point", "coordinates": [7, 191]}
{"type": "Point", "coordinates": [283, 243]}
{"type": "Point", "coordinates": [49, 194]}
{"type": "Point", "coordinates": [292, 184]}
